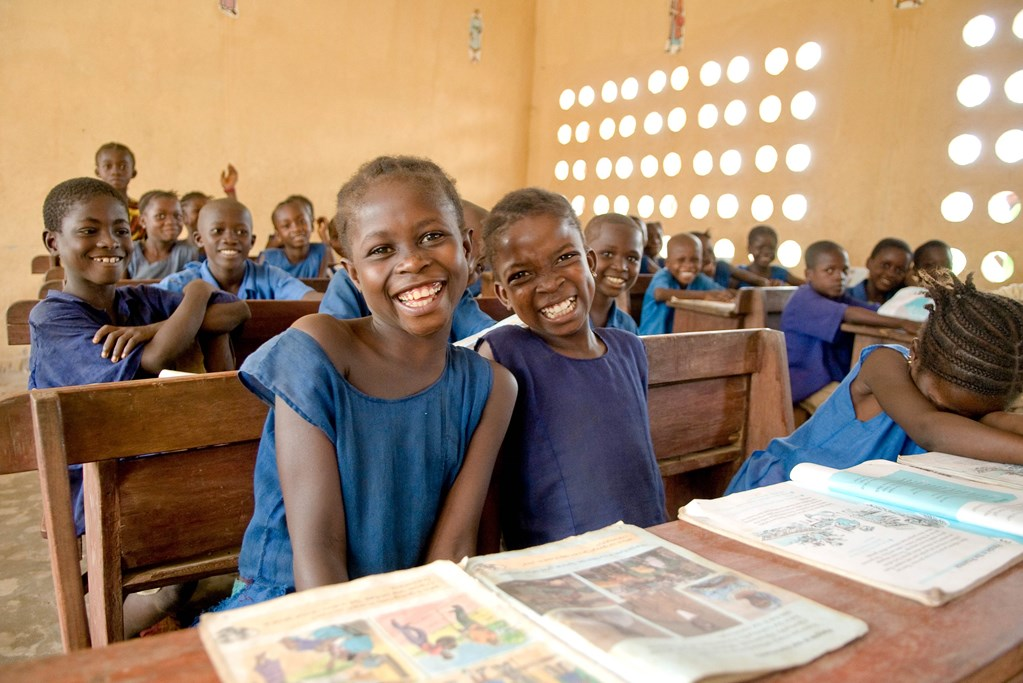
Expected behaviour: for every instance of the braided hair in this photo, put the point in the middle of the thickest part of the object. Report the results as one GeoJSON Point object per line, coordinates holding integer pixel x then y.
{"type": "Point", "coordinates": [973, 339]}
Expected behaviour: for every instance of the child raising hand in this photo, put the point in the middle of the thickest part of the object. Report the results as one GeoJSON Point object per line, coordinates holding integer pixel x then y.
{"type": "Point", "coordinates": [381, 437]}
{"type": "Point", "coordinates": [946, 393]}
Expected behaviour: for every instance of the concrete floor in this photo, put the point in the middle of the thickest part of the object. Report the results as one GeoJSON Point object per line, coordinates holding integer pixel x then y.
{"type": "Point", "coordinates": [28, 627]}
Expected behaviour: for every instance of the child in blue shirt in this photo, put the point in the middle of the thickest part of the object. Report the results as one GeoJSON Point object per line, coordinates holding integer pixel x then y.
{"type": "Point", "coordinates": [887, 267]}
{"type": "Point", "coordinates": [94, 331]}
{"type": "Point", "coordinates": [225, 233]}
{"type": "Point", "coordinates": [721, 271]}
{"type": "Point", "coordinates": [947, 393]}
{"type": "Point", "coordinates": [160, 253]}
{"type": "Point", "coordinates": [819, 351]}
{"type": "Point", "coordinates": [932, 256]}
{"type": "Point", "coordinates": [381, 438]}
{"type": "Point", "coordinates": [680, 278]}
{"type": "Point", "coordinates": [574, 460]}
{"type": "Point", "coordinates": [762, 246]}
{"type": "Point", "coordinates": [654, 240]}
{"type": "Point", "coordinates": [617, 245]}
{"type": "Point", "coordinates": [298, 256]}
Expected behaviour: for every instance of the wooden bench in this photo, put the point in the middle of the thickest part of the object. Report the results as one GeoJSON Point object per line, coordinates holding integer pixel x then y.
{"type": "Point", "coordinates": [636, 294]}
{"type": "Point", "coordinates": [753, 307]}
{"type": "Point", "coordinates": [42, 263]}
{"type": "Point", "coordinates": [714, 398]}
{"type": "Point", "coordinates": [268, 319]}
{"type": "Point", "coordinates": [319, 284]}
{"type": "Point", "coordinates": [177, 514]}
{"type": "Point", "coordinates": [493, 307]}
{"type": "Point", "coordinates": [866, 335]}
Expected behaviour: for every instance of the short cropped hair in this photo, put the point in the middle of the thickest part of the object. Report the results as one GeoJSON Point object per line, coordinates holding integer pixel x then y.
{"type": "Point", "coordinates": [818, 249]}
{"type": "Point", "coordinates": [972, 339]}
{"type": "Point", "coordinates": [304, 201]}
{"type": "Point", "coordinates": [597, 224]}
{"type": "Point", "coordinates": [65, 196]}
{"type": "Point", "coordinates": [417, 170]}
{"type": "Point", "coordinates": [761, 230]}
{"type": "Point", "coordinates": [148, 197]}
{"type": "Point", "coordinates": [192, 196]}
{"type": "Point", "coordinates": [933, 244]}
{"type": "Point", "coordinates": [115, 147]}
{"type": "Point", "coordinates": [524, 203]}
{"type": "Point", "coordinates": [890, 243]}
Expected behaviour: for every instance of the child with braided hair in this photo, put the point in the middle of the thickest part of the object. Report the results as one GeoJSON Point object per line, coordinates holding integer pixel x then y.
{"type": "Point", "coordinates": [947, 393]}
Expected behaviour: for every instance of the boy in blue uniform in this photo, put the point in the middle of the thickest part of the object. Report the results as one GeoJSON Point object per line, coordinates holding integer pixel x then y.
{"type": "Point", "coordinates": [681, 278]}
{"type": "Point", "coordinates": [819, 352]}
{"type": "Point", "coordinates": [617, 244]}
{"type": "Point", "coordinates": [94, 331]}
{"type": "Point", "coordinates": [762, 246]}
{"type": "Point", "coordinates": [225, 233]}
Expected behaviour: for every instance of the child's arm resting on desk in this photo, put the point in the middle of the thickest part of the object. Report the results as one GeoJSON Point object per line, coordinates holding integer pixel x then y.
{"type": "Point", "coordinates": [664, 294]}
{"type": "Point", "coordinates": [865, 316]}
{"type": "Point", "coordinates": [162, 341]}
{"type": "Point", "coordinates": [885, 374]}
{"type": "Point", "coordinates": [454, 534]}
{"type": "Point", "coordinates": [224, 317]}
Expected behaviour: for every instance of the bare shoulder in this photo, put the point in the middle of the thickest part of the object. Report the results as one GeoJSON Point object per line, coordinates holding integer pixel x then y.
{"type": "Point", "coordinates": [488, 353]}
{"type": "Point", "coordinates": [336, 337]}
{"type": "Point", "coordinates": [505, 387]}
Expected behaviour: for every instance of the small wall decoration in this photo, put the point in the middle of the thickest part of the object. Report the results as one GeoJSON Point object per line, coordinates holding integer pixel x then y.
{"type": "Point", "coordinates": [475, 37]}
{"type": "Point", "coordinates": [229, 7]}
{"type": "Point", "coordinates": [676, 26]}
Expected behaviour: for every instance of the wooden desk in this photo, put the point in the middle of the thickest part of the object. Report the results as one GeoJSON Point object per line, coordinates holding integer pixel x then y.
{"type": "Point", "coordinates": [977, 637]}
{"type": "Point", "coordinates": [868, 334]}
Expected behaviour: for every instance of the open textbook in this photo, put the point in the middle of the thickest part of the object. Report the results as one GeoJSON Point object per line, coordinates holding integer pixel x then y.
{"type": "Point", "coordinates": [983, 471]}
{"type": "Point", "coordinates": [922, 535]}
{"type": "Point", "coordinates": [611, 605]}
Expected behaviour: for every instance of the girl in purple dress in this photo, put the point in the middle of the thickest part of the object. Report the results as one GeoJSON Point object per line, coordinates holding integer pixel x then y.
{"type": "Point", "coordinates": [578, 455]}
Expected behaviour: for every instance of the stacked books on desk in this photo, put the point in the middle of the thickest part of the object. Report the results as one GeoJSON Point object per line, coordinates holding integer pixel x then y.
{"type": "Point", "coordinates": [927, 534]}
{"type": "Point", "coordinates": [615, 604]}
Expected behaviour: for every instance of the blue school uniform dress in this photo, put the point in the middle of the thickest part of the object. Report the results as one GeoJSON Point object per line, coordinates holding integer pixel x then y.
{"type": "Point", "coordinates": [578, 454]}
{"type": "Point", "coordinates": [139, 268]}
{"type": "Point", "coordinates": [777, 273]}
{"type": "Point", "coordinates": [397, 458]}
{"type": "Point", "coordinates": [657, 316]}
{"type": "Point", "coordinates": [259, 282]}
{"type": "Point", "coordinates": [819, 351]}
{"type": "Point", "coordinates": [859, 292]}
{"type": "Point", "coordinates": [344, 301]}
{"type": "Point", "coordinates": [61, 328]}
{"type": "Point", "coordinates": [620, 320]}
{"type": "Point", "coordinates": [648, 265]}
{"type": "Point", "coordinates": [307, 267]}
{"type": "Point", "coordinates": [833, 436]}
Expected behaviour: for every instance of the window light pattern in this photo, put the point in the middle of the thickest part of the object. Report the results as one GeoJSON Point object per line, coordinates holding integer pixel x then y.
{"type": "Point", "coordinates": [986, 98]}
{"type": "Point", "coordinates": [597, 119]}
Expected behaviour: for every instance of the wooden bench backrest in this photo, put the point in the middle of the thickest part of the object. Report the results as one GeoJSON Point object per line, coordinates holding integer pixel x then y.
{"type": "Point", "coordinates": [774, 300]}
{"type": "Point", "coordinates": [17, 321]}
{"type": "Point", "coordinates": [636, 295]}
{"type": "Point", "coordinates": [493, 307]}
{"type": "Point", "coordinates": [269, 318]}
{"type": "Point", "coordinates": [175, 515]}
{"type": "Point", "coordinates": [714, 398]}
{"type": "Point", "coordinates": [42, 263]}
{"type": "Point", "coordinates": [317, 283]}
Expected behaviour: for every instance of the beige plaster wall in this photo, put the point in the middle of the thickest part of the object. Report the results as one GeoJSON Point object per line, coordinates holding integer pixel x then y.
{"type": "Point", "coordinates": [886, 110]}
{"type": "Point", "coordinates": [295, 93]}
